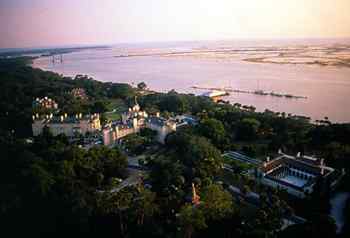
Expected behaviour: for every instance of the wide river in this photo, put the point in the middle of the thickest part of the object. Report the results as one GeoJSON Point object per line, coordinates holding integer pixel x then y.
{"type": "Point", "coordinates": [327, 88]}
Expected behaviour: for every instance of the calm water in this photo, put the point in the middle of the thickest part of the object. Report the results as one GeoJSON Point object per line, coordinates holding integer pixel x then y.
{"type": "Point", "coordinates": [327, 88]}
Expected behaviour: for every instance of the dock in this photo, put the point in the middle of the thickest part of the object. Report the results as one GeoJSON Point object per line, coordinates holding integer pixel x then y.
{"type": "Point", "coordinates": [225, 91]}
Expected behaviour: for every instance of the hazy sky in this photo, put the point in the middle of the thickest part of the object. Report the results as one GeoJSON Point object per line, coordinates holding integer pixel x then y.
{"type": "Point", "coordinates": [25, 23]}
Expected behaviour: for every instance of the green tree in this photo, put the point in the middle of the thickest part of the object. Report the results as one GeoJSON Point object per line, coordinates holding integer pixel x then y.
{"type": "Point", "coordinates": [116, 203]}
{"type": "Point", "coordinates": [145, 205]}
{"type": "Point", "coordinates": [142, 86]}
{"type": "Point", "coordinates": [191, 219]}
{"type": "Point", "coordinates": [121, 90]}
{"type": "Point", "coordinates": [99, 107]}
{"type": "Point", "coordinates": [165, 173]}
{"type": "Point", "coordinates": [247, 129]}
{"type": "Point", "coordinates": [196, 153]}
{"type": "Point", "coordinates": [216, 202]}
{"type": "Point", "coordinates": [203, 157]}
{"type": "Point", "coordinates": [135, 144]}
{"type": "Point", "coordinates": [212, 129]}
{"type": "Point", "coordinates": [149, 134]}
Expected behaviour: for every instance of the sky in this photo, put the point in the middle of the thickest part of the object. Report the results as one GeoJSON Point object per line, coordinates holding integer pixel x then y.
{"type": "Point", "coordinates": [39, 23]}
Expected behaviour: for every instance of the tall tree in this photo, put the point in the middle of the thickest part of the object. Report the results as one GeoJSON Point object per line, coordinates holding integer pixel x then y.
{"type": "Point", "coordinates": [247, 129]}
{"type": "Point", "coordinates": [116, 203]}
{"type": "Point", "coordinates": [144, 205]}
{"type": "Point", "coordinates": [216, 202]}
{"type": "Point", "coordinates": [142, 86]}
{"type": "Point", "coordinates": [191, 219]}
{"type": "Point", "coordinates": [214, 130]}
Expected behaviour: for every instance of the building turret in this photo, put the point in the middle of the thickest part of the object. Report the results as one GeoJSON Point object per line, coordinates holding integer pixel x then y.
{"type": "Point", "coordinates": [136, 107]}
{"type": "Point", "coordinates": [135, 124]}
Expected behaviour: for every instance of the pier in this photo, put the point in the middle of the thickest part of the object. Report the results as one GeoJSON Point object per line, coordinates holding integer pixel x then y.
{"type": "Point", "coordinates": [228, 90]}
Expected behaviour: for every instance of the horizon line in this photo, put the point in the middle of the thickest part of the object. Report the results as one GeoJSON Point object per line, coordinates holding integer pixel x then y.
{"type": "Point", "coordinates": [76, 45]}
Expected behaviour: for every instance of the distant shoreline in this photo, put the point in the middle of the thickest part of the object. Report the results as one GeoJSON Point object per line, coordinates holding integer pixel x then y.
{"type": "Point", "coordinates": [44, 52]}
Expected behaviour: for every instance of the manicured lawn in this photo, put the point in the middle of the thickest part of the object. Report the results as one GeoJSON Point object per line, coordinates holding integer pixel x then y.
{"type": "Point", "coordinates": [117, 104]}
{"type": "Point", "coordinates": [113, 116]}
{"type": "Point", "coordinates": [115, 108]}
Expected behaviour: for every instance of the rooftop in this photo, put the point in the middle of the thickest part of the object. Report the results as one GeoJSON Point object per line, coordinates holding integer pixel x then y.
{"type": "Point", "coordinates": [308, 164]}
{"type": "Point", "coordinates": [66, 119]}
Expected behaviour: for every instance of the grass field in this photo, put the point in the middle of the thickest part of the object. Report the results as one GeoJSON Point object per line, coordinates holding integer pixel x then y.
{"type": "Point", "coordinates": [115, 108]}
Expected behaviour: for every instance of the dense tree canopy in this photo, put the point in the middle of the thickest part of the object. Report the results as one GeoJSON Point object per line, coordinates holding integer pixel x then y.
{"type": "Point", "coordinates": [197, 153]}
{"type": "Point", "coordinates": [214, 130]}
{"type": "Point", "coordinates": [50, 180]}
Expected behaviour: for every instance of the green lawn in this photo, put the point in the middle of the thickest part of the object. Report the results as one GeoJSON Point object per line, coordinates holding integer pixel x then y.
{"type": "Point", "coordinates": [113, 116]}
{"type": "Point", "coordinates": [117, 104]}
{"type": "Point", "coordinates": [115, 108]}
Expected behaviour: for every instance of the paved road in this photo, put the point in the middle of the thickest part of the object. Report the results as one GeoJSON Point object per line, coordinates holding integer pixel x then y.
{"type": "Point", "coordinates": [135, 175]}
{"type": "Point", "coordinates": [133, 179]}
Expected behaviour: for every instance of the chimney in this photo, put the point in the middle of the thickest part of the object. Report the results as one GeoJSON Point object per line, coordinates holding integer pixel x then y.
{"type": "Point", "coordinates": [298, 154]}
{"type": "Point", "coordinates": [268, 159]}
{"type": "Point", "coordinates": [62, 118]}
{"type": "Point", "coordinates": [157, 114]}
{"type": "Point", "coordinates": [65, 115]}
